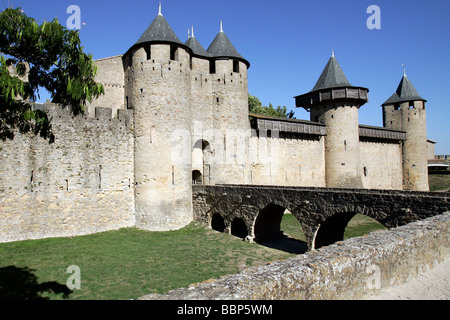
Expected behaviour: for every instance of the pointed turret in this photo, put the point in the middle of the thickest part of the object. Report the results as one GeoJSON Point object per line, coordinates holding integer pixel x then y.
{"type": "Point", "coordinates": [332, 85]}
{"type": "Point", "coordinates": [335, 103]}
{"type": "Point", "coordinates": [332, 76]}
{"type": "Point", "coordinates": [159, 31]}
{"type": "Point", "coordinates": [405, 93]}
{"type": "Point", "coordinates": [405, 111]}
{"type": "Point", "coordinates": [221, 47]}
{"type": "Point", "coordinates": [195, 46]}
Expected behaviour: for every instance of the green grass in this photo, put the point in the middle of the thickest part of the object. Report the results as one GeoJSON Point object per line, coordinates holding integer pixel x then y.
{"type": "Point", "coordinates": [359, 225]}
{"type": "Point", "coordinates": [439, 182]}
{"type": "Point", "coordinates": [129, 263]}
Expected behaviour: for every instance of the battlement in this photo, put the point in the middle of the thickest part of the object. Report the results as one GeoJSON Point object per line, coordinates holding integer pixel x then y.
{"type": "Point", "coordinates": [60, 115]}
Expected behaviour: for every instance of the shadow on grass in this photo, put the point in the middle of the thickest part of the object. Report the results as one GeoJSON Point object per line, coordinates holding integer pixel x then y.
{"type": "Point", "coordinates": [287, 244]}
{"type": "Point", "coordinates": [21, 284]}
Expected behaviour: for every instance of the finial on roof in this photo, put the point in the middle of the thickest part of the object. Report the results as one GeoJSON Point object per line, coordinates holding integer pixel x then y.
{"type": "Point", "coordinates": [192, 31]}
{"type": "Point", "coordinates": [189, 34]}
{"type": "Point", "coordinates": [159, 10]}
{"type": "Point", "coordinates": [332, 52]}
{"type": "Point", "coordinates": [221, 27]}
{"type": "Point", "coordinates": [404, 70]}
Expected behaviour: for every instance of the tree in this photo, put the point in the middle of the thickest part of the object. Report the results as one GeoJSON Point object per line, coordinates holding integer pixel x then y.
{"type": "Point", "coordinates": [255, 106]}
{"type": "Point", "coordinates": [34, 56]}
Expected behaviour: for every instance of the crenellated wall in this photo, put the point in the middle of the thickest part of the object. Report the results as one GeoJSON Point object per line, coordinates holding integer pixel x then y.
{"type": "Point", "coordinates": [82, 183]}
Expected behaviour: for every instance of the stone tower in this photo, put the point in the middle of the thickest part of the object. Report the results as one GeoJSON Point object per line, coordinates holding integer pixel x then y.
{"type": "Point", "coordinates": [405, 111]}
{"type": "Point", "coordinates": [184, 99]}
{"type": "Point", "coordinates": [230, 104]}
{"type": "Point", "coordinates": [335, 103]}
{"type": "Point", "coordinates": [157, 88]}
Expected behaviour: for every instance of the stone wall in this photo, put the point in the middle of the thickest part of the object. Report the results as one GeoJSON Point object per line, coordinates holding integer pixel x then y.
{"type": "Point", "coordinates": [82, 183]}
{"type": "Point", "coordinates": [352, 269]}
{"type": "Point", "coordinates": [110, 74]}
{"type": "Point", "coordinates": [322, 212]}
{"type": "Point", "coordinates": [381, 164]}
{"type": "Point", "coordinates": [286, 160]}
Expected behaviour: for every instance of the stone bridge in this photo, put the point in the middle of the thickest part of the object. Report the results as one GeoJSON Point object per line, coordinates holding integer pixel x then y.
{"type": "Point", "coordinates": [255, 212]}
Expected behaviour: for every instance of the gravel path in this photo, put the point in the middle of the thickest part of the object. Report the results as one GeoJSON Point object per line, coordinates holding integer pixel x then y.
{"type": "Point", "coordinates": [431, 285]}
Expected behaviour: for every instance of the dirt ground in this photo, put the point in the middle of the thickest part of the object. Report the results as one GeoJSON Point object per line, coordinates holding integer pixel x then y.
{"type": "Point", "coordinates": [431, 285]}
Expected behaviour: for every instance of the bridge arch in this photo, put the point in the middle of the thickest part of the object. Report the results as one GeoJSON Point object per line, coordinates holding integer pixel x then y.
{"type": "Point", "coordinates": [218, 223]}
{"type": "Point", "coordinates": [267, 223]}
{"type": "Point", "coordinates": [332, 229]}
{"type": "Point", "coordinates": [239, 228]}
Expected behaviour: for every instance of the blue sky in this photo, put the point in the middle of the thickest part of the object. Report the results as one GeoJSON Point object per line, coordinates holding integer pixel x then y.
{"type": "Point", "coordinates": [288, 43]}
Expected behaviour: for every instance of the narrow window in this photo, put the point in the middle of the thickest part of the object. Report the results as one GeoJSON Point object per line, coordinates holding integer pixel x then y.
{"type": "Point", "coordinates": [365, 171]}
{"type": "Point", "coordinates": [173, 175]}
{"type": "Point", "coordinates": [236, 66]}
{"type": "Point", "coordinates": [173, 51]}
{"type": "Point", "coordinates": [411, 105]}
{"type": "Point", "coordinates": [148, 52]}
{"type": "Point", "coordinates": [212, 66]}
{"type": "Point", "coordinates": [100, 177]}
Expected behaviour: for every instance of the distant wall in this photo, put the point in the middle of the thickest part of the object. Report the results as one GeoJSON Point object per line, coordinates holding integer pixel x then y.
{"type": "Point", "coordinates": [110, 74]}
{"type": "Point", "coordinates": [83, 183]}
{"type": "Point", "coordinates": [351, 269]}
{"type": "Point", "coordinates": [289, 160]}
{"type": "Point", "coordinates": [381, 164]}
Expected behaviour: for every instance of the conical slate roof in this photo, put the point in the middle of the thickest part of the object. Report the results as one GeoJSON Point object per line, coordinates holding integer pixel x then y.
{"type": "Point", "coordinates": [221, 47]}
{"type": "Point", "coordinates": [159, 31]}
{"type": "Point", "coordinates": [332, 76]}
{"type": "Point", "coordinates": [332, 85]}
{"type": "Point", "coordinates": [196, 47]}
{"type": "Point", "coordinates": [405, 92]}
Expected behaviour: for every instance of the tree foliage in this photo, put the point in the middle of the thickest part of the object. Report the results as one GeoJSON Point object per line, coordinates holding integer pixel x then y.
{"type": "Point", "coordinates": [255, 106]}
{"type": "Point", "coordinates": [34, 56]}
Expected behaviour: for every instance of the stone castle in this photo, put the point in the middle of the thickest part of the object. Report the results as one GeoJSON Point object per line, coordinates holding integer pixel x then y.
{"type": "Point", "coordinates": [174, 115]}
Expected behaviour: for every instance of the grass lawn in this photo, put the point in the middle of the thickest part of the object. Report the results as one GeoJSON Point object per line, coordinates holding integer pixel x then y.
{"type": "Point", "coordinates": [129, 263]}
{"type": "Point", "coordinates": [439, 182]}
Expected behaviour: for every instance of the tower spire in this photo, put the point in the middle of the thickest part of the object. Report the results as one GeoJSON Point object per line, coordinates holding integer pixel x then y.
{"type": "Point", "coordinates": [332, 52]}
{"type": "Point", "coordinates": [404, 70]}
{"type": "Point", "coordinates": [221, 27]}
{"type": "Point", "coordinates": [159, 10]}
{"type": "Point", "coordinates": [192, 31]}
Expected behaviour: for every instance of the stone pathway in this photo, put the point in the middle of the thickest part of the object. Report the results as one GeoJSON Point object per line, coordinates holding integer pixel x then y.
{"type": "Point", "coordinates": [431, 285]}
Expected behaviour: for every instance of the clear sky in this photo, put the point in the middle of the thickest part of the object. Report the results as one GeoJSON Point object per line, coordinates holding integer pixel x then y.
{"type": "Point", "coordinates": [288, 43]}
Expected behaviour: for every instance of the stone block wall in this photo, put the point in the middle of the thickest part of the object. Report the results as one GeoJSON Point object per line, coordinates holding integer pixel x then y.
{"type": "Point", "coordinates": [82, 183]}
{"type": "Point", "coordinates": [381, 164]}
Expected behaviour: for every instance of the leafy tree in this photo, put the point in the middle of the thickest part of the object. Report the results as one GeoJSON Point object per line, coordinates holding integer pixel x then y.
{"type": "Point", "coordinates": [255, 106]}
{"type": "Point", "coordinates": [34, 56]}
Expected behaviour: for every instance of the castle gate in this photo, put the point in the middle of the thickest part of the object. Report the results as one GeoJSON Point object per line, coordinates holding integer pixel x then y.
{"type": "Point", "coordinates": [255, 212]}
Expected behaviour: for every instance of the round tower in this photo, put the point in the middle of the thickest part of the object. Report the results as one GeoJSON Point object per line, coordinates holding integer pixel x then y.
{"type": "Point", "coordinates": [230, 86]}
{"type": "Point", "coordinates": [405, 111]}
{"type": "Point", "coordinates": [157, 88]}
{"type": "Point", "coordinates": [228, 71]}
{"type": "Point", "coordinates": [335, 103]}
